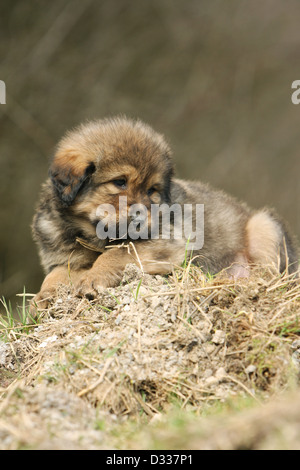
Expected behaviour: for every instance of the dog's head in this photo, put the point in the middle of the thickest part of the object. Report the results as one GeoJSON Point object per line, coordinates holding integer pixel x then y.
{"type": "Point", "coordinates": [101, 161]}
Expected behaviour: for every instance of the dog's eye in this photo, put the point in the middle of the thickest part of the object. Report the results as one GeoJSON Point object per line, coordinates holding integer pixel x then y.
{"type": "Point", "coordinates": [151, 191]}
{"type": "Point", "coordinates": [121, 183]}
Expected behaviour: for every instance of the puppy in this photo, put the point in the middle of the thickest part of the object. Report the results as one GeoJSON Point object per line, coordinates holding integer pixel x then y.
{"type": "Point", "coordinates": [103, 163]}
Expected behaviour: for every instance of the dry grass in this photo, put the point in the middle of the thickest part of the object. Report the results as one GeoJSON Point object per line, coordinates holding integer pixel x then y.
{"type": "Point", "coordinates": [142, 349]}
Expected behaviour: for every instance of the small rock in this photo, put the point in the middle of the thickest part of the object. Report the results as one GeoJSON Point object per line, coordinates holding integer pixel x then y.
{"type": "Point", "coordinates": [143, 291]}
{"type": "Point", "coordinates": [3, 351]}
{"type": "Point", "coordinates": [212, 380]}
{"type": "Point", "coordinates": [219, 337]}
{"type": "Point", "coordinates": [173, 316]}
{"type": "Point", "coordinates": [221, 372]}
{"type": "Point", "coordinates": [131, 273]}
{"type": "Point", "coordinates": [45, 343]}
{"type": "Point", "coordinates": [155, 302]}
{"type": "Point", "coordinates": [209, 348]}
{"type": "Point", "coordinates": [250, 369]}
{"type": "Point", "coordinates": [296, 358]}
{"type": "Point", "coordinates": [295, 344]}
{"type": "Point", "coordinates": [193, 357]}
{"type": "Point", "coordinates": [207, 373]}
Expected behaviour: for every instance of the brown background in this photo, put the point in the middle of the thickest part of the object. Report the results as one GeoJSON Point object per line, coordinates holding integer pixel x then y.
{"type": "Point", "coordinates": [214, 76]}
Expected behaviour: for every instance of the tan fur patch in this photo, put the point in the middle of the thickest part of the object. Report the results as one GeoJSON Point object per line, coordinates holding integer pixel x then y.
{"type": "Point", "coordinates": [263, 239]}
{"type": "Point", "coordinates": [70, 161]}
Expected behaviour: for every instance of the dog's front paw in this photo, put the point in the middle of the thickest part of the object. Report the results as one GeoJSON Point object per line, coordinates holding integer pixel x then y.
{"type": "Point", "coordinates": [93, 282]}
{"type": "Point", "coordinates": [40, 302]}
{"type": "Point", "coordinates": [90, 284]}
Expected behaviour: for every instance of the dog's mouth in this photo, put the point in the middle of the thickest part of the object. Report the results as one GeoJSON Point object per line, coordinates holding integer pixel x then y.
{"type": "Point", "coordinates": [133, 225]}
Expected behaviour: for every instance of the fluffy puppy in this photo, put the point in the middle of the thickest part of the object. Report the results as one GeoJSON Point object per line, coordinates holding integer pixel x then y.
{"type": "Point", "coordinates": [106, 162]}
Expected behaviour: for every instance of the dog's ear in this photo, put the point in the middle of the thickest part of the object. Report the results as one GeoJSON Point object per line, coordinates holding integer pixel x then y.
{"type": "Point", "coordinates": [69, 172]}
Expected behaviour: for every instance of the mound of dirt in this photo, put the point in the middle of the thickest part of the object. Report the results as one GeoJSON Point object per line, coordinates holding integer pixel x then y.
{"type": "Point", "coordinates": [143, 346]}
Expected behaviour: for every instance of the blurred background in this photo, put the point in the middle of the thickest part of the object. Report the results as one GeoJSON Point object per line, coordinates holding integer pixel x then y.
{"type": "Point", "coordinates": [213, 76]}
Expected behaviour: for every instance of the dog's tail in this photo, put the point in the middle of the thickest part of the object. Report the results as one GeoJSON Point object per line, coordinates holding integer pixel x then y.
{"type": "Point", "coordinates": [270, 242]}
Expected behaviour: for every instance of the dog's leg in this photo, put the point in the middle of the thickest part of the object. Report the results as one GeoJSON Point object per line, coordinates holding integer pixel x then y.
{"type": "Point", "coordinates": [240, 267]}
{"type": "Point", "coordinates": [59, 275]}
{"type": "Point", "coordinates": [153, 257]}
{"type": "Point", "coordinates": [263, 239]}
{"type": "Point", "coordinates": [269, 243]}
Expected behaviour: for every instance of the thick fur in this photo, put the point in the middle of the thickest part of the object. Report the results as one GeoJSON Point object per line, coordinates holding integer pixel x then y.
{"type": "Point", "coordinates": [88, 169]}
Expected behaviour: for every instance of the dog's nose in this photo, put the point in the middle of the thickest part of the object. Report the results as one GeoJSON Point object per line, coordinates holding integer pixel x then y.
{"type": "Point", "coordinates": [138, 214]}
{"type": "Point", "coordinates": [138, 218]}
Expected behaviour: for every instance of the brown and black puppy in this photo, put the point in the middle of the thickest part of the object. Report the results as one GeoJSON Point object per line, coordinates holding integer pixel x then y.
{"type": "Point", "coordinates": [104, 162]}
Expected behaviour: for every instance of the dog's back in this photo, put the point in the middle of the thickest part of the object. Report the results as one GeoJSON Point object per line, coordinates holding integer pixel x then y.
{"type": "Point", "coordinates": [234, 232]}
